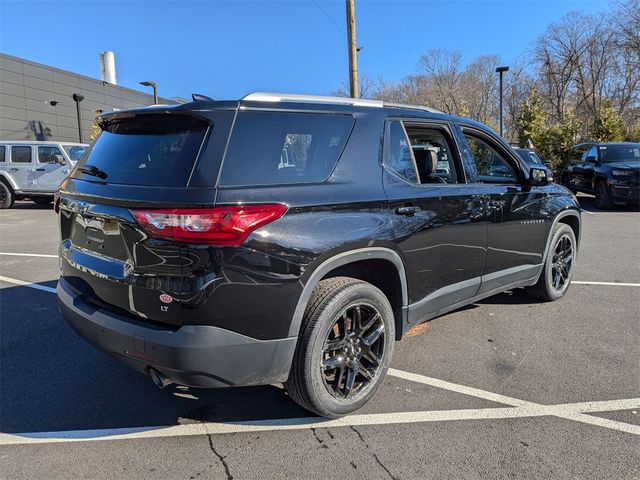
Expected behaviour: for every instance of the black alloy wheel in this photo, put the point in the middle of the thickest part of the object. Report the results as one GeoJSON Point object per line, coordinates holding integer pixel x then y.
{"type": "Point", "coordinates": [562, 263]}
{"type": "Point", "coordinates": [353, 351]}
{"type": "Point", "coordinates": [344, 349]}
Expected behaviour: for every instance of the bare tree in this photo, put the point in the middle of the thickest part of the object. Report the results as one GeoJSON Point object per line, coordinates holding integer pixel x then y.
{"type": "Point", "coordinates": [443, 69]}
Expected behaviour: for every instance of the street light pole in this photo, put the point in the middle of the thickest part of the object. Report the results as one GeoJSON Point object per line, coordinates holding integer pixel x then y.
{"type": "Point", "coordinates": [353, 50]}
{"type": "Point", "coordinates": [78, 98]}
{"type": "Point", "coordinates": [153, 85]}
{"type": "Point", "coordinates": [500, 71]}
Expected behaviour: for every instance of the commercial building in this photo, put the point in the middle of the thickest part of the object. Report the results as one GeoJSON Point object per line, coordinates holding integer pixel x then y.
{"type": "Point", "coordinates": [37, 101]}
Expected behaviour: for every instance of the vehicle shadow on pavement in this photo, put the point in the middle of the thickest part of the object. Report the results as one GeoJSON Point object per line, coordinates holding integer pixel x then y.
{"type": "Point", "coordinates": [518, 296]}
{"type": "Point", "coordinates": [589, 203]}
{"type": "Point", "coordinates": [52, 380]}
{"type": "Point", "coordinates": [32, 206]}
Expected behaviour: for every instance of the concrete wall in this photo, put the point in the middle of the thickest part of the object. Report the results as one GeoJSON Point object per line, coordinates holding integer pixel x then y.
{"type": "Point", "coordinates": [27, 87]}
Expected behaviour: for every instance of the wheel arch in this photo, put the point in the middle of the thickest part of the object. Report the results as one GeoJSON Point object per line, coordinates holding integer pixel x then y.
{"type": "Point", "coordinates": [597, 178]}
{"type": "Point", "coordinates": [8, 181]}
{"type": "Point", "coordinates": [382, 267]}
{"type": "Point", "coordinates": [569, 217]}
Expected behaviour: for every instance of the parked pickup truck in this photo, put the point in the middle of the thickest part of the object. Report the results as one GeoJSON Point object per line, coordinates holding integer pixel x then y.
{"type": "Point", "coordinates": [35, 170]}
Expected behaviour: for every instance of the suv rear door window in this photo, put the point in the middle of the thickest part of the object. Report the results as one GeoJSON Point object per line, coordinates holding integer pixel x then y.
{"type": "Point", "coordinates": [153, 150]}
{"type": "Point", "coordinates": [2, 154]}
{"type": "Point", "coordinates": [21, 154]}
{"type": "Point", "coordinates": [268, 148]}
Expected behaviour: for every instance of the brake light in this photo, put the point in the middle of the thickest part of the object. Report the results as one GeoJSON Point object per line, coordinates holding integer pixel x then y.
{"type": "Point", "coordinates": [214, 226]}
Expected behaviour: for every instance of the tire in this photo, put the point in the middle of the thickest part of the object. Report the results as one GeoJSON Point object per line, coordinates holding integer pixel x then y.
{"type": "Point", "coordinates": [550, 287]}
{"type": "Point", "coordinates": [327, 355]}
{"type": "Point", "coordinates": [7, 197]}
{"type": "Point", "coordinates": [42, 201]}
{"type": "Point", "coordinates": [603, 196]}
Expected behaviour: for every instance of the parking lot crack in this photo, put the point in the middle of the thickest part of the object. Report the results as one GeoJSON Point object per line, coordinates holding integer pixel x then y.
{"type": "Point", "coordinates": [320, 441]}
{"type": "Point", "coordinates": [375, 456]}
{"type": "Point", "coordinates": [220, 457]}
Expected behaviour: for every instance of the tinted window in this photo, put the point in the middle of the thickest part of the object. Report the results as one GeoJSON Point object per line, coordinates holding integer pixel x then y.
{"type": "Point", "coordinates": [47, 154]}
{"type": "Point", "coordinates": [75, 152]}
{"type": "Point", "coordinates": [490, 165]}
{"type": "Point", "coordinates": [146, 150]}
{"type": "Point", "coordinates": [2, 154]}
{"type": "Point", "coordinates": [274, 148]}
{"type": "Point", "coordinates": [432, 154]}
{"type": "Point", "coordinates": [530, 158]}
{"type": "Point", "coordinates": [620, 153]}
{"type": "Point", "coordinates": [592, 152]}
{"type": "Point", "coordinates": [20, 154]}
{"type": "Point", "coordinates": [399, 156]}
{"type": "Point", "coordinates": [576, 154]}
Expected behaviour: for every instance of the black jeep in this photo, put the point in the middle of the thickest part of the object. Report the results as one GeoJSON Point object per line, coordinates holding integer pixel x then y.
{"type": "Point", "coordinates": [294, 239]}
{"type": "Point", "coordinates": [610, 171]}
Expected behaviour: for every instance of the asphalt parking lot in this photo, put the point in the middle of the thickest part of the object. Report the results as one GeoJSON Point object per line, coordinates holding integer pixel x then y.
{"type": "Point", "coordinates": [506, 388]}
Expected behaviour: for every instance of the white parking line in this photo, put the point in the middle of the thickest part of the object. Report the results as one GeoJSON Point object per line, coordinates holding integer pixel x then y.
{"type": "Point", "coordinates": [526, 409]}
{"type": "Point", "coordinates": [611, 284]}
{"type": "Point", "coordinates": [13, 254]}
{"type": "Point", "coordinates": [27, 284]}
{"type": "Point", "coordinates": [569, 411]}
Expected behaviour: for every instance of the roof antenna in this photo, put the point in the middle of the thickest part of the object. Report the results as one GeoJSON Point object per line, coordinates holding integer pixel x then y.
{"type": "Point", "coordinates": [200, 98]}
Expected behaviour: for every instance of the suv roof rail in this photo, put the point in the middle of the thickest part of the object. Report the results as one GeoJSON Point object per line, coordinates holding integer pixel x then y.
{"type": "Point", "coordinates": [294, 97]}
{"type": "Point", "coordinates": [357, 102]}
{"type": "Point", "coordinates": [411, 107]}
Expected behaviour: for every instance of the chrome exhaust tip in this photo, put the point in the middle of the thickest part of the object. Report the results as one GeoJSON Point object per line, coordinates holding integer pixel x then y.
{"type": "Point", "coordinates": [158, 379]}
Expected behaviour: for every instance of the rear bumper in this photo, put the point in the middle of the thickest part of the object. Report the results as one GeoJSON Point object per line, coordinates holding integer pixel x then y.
{"type": "Point", "coordinates": [193, 355]}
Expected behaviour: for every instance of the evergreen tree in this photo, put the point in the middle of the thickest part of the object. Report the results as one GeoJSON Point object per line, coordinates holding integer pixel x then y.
{"type": "Point", "coordinates": [608, 126]}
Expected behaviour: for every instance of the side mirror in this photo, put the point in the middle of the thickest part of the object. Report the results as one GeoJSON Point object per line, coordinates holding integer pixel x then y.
{"type": "Point", "coordinates": [538, 177]}
{"type": "Point", "coordinates": [591, 159]}
{"type": "Point", "coordinates": [59, 159]}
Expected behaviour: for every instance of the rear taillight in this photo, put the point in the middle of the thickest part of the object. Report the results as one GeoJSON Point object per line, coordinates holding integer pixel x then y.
{"type": "Point", "coordinates": [214, 226]}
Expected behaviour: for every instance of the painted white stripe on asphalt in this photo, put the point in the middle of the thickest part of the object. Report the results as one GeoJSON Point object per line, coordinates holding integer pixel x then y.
{"type": "Point", "coordinates": [528, 409]}
{"type": "Point", "coordinates": [569, 411]}
{"type": "Point", "coordinates": [28, 255]}
{"type": "Point", "coordinates": [22, 283]}
{"type": "Point", "coordinates": [263, 425]}
{"type": "Point", "coordinates": [454, 387]}
{"type": "Point", "coordinates": [611, 284]}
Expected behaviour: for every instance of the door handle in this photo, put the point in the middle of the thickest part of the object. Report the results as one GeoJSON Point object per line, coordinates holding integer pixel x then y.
{"type": "Point", "coordinates": [39, 169]}
{"type": "Point", "coordinates": [408, 210]}
{"type": "Point", "coordinates": [13, 169]}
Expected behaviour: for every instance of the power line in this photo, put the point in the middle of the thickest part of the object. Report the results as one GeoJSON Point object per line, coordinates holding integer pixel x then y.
{"type": "Point", "coordinates": [330, 19]}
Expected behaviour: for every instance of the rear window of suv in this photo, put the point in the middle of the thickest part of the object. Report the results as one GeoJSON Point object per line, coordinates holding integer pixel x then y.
{"type": "Point", "coordinates": [268, 148]}
{"type": "Point", "coordinates": [146, 150]}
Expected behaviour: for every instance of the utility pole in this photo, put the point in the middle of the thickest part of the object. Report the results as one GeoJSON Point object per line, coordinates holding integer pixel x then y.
{"type": "Point", "coordinates": [500, 71]}
{"type": "Point", "coordinates": [353, 50]}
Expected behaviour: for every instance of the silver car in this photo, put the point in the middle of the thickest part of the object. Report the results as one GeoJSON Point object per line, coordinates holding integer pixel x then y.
{"type": "Point", "coordinates": [34, 170]}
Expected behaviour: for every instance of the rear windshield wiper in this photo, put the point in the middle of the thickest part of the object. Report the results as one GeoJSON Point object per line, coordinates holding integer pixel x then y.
{"type": "Point", "coordinates": [93, 170]}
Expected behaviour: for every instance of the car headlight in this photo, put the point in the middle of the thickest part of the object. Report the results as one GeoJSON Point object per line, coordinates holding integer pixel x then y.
{"type": "Point", "coordinates": [622, 173]}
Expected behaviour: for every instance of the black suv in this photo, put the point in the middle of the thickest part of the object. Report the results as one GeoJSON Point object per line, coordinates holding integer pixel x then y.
{"type": "Point", "coordinates": [293, 239]}
{"type": "Point", "coordinates": [610, 171]}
